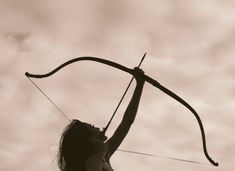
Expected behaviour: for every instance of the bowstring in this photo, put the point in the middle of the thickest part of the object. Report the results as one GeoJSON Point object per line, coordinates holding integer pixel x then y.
{"type": "Point", "coordinates": [49, 99]}
{"type": "Point", "coordinates": [158, 156]}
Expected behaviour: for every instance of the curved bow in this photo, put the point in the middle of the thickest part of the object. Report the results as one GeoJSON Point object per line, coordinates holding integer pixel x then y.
{"type": "Point", "coordinates": [147, 79]}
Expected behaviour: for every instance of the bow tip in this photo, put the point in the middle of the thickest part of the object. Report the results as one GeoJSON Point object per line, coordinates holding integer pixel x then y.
{"type": "Point", "coordinates": [27, 74]}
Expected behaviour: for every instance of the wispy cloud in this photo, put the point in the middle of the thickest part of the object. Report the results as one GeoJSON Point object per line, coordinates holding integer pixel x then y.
{"type": "Point", "coordinates": [190, 49]}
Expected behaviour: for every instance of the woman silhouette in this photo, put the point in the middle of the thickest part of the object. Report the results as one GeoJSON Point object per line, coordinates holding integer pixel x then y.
{"type": "Point", "coordinates": [82, 148]}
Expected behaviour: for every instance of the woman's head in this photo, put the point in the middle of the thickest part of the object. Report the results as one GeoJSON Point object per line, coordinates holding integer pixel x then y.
{"type": "Point", "coordinates": [76, 145]}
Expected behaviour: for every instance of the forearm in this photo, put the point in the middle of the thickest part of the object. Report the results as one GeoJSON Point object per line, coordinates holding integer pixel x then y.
{"type": "Point", "coordinates": [130, 113]}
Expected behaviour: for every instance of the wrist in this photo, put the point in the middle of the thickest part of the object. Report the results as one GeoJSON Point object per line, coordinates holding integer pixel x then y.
{"type": "Point", "coordinates": [140, 83]}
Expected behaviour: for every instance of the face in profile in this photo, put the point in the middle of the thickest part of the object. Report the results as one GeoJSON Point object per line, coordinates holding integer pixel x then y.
{"type": "Point", "coordinates": [95, 132]}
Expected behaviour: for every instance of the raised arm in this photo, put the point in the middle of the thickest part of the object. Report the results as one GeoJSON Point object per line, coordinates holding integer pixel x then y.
{"type": "Point", "coordinates": [129, 115]}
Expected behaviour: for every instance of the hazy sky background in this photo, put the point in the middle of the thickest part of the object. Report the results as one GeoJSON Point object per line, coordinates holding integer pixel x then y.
{"type": "Point", "coordinates": [190, 47]}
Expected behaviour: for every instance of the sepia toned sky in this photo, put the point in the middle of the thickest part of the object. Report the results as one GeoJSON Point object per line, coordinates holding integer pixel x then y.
{"type": "Point", "coordinates": [190, 47]}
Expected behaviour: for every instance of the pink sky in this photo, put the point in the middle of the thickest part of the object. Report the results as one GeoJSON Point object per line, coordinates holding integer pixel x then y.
{"type": "Point", "coordinates": [190, 49]}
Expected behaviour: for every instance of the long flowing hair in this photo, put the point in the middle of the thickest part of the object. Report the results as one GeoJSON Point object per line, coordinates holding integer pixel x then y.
{"type": "Point", "coordinates": [74, 147]}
